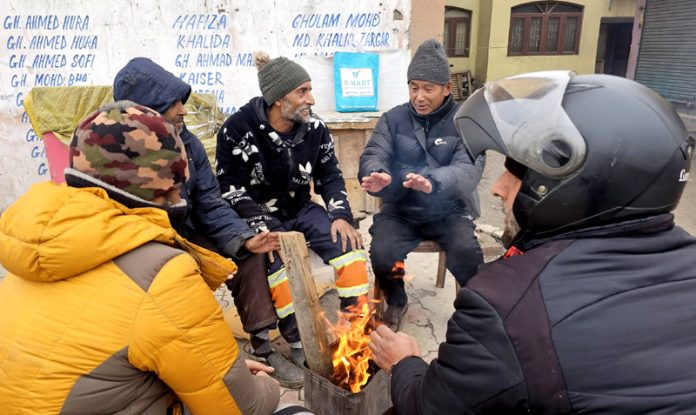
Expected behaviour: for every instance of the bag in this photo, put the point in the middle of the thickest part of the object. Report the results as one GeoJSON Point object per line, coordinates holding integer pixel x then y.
{"type": "Point", "coordinates": [355, 81]}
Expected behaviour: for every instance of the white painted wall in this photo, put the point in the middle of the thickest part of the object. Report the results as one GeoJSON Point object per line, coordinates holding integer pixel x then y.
{"type": "Point", "coordinates": [207, 43]}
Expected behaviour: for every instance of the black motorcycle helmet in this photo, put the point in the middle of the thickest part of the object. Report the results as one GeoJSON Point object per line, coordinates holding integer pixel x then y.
{"type": "Point", "coordinates": [589, 149]}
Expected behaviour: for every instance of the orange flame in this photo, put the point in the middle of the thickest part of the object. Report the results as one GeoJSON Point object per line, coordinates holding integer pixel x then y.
{"type": "Point", "coordinates": [352, 357]}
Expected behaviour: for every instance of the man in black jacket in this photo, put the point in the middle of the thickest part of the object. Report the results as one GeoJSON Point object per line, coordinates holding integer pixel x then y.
{"type": "Point", "coordinates": [267, 154]}
{"type": "Point", "coordinates": [591, 310]}
{"type": "Point", "coordinates": [209, 220]}
{"type": "Point", "coordinates": [417, 164]}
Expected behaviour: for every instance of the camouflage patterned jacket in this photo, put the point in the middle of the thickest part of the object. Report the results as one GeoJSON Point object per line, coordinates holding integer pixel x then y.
{"type": "Point", "coordinates": [266, 179]}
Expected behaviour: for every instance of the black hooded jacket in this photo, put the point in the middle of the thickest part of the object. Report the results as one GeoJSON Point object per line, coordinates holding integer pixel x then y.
{"type": "Point", "coordinates": [144, 82]}
{"type": "Point", "coordinates": [600, 321]}
{"type": "Point", "coordinates": [266, 178]}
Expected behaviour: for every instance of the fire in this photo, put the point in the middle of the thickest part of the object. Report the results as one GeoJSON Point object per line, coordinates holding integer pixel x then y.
{"type": "Point", "coordinates": [352, 357]}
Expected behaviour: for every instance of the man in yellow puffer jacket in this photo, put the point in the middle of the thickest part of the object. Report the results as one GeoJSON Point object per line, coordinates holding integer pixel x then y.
{"type": "Point", "coordinates": [106, 309]}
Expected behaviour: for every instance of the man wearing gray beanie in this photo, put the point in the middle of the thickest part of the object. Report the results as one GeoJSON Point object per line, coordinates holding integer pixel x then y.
{"type": "Point", "coordinates": [416, 162]}
{"type": "Point", "coordinates": [268, 152]}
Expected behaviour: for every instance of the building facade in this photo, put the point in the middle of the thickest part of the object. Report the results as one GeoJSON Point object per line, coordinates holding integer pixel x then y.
{"type": "Point", "coordinates": [499, 38]}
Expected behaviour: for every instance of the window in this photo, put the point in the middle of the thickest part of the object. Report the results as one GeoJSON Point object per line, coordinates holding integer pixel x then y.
{"type": "Point", "coordinates": [545, 28]}
{"type": "Point", "coordinates": [457, 31]}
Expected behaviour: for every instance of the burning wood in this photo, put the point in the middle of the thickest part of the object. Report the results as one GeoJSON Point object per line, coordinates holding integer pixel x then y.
{"type": "Point", "coordinates": [351, 359]}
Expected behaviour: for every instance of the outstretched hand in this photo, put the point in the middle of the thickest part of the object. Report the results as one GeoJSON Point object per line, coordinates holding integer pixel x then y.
{"type": "Point", "coordinates": [419, 183]}
{"type": "Point", "coordinates": [347, 232]}
{"type": "Point", "coordinates": [375, 182]}
{"type": "Point", "coordinates": [263, 242]}
{"type": "Point", "coordinates": [389, 348]}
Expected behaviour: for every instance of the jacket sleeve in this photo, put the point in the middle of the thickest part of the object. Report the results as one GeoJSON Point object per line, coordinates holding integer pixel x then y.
{"type": "Point", "coordinates": [476, 369]}
{"type": "Point", "coordinates": [458, 179]}
{"type": "Point", "coordinates": [377, 157]}
{"type": "Point", "coordinates": [234, 176]}
{"type": "Point", "coordinates": [210, 212]}
{"type": "Point", "coordinates": [328, 178]}
{"type": "Point", "coordinates": [191, 348]}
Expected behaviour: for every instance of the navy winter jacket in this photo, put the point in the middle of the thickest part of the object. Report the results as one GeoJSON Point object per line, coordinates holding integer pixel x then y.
{"type": "Point", "coordinates": [146, 83]}
{"type": "Point", "coordinates": [597, 321]}
{"type": "Point", "coordinates": [398, 147]}
{"type": "Point", "coordinates": [266, 178]}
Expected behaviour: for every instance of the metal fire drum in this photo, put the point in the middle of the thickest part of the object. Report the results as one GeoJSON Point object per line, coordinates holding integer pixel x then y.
{"type": "Point", "coordinates": [324, 398]}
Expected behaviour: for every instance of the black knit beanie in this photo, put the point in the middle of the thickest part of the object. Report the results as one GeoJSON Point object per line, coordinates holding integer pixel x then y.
{"type": "Point", "coordinates": [278, 77]}
{"type": "Point", "coordinates": [429, 64]}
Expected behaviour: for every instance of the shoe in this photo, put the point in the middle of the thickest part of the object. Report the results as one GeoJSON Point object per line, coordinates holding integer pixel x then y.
{"type": "Point", "coordinates": [286, 373]}
{"type": "Point", "coordinates": [392, 317]}
{"type": "Point", "coordinates": [297, 356]}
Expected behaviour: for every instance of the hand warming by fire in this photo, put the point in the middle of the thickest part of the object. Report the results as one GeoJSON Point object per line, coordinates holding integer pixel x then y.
{"type": "Point", "coordinates": [351, 360]}
{"type": "Point", "coordinates": [389, 348]}
{"type": "Point", "coordinates": [360, 343]}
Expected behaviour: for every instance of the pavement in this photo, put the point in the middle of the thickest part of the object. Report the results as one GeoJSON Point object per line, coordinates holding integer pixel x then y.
{"type": "Point", "coordinates": [429, 307]}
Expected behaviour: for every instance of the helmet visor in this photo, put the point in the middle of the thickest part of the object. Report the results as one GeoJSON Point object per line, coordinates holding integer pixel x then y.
{"type": "Point", "coordinates": [535, 129]}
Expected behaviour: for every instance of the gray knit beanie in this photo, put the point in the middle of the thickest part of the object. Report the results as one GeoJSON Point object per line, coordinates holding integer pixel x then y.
{"type": "Point", "coordinates": [429, 64]}
{"type": "Point", "coordinates": [278, 77]}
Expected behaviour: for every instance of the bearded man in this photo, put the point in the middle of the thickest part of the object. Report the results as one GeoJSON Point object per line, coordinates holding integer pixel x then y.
{"type": "Point", "coordinates": [268, 152]}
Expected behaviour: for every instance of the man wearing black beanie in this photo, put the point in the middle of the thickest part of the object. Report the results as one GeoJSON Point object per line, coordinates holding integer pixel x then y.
{"type": "Point", "coordinates": [416, 162]}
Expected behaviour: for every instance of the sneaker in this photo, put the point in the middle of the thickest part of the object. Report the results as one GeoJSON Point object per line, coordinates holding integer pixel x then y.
{"type": "Point", "coordinates": [286, 373]}
{"type": "Point", "coordinates": [392, 317]}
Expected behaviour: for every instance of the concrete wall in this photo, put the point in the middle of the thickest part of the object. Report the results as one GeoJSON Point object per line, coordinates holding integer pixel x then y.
{"type": "Point", "coordinates": [427, 21]}
{"type": "Point", "coordinates": [484, 39]}
{"type": "Point", "coordinates": [619, 8]}
{"type": "Point", "coordinates": [207, 44]}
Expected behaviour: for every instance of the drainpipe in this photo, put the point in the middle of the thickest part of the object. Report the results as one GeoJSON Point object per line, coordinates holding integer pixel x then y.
{"type": "Point", "coordinates": [635, 39]}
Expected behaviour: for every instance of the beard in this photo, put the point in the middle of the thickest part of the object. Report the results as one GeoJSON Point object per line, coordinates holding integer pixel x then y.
{"type": "Point", "coordinates": [294, 113]}
{"type": "Point", "coordinates": [177, 122]}
{"type": "Point", "coordinates": [512, 228]}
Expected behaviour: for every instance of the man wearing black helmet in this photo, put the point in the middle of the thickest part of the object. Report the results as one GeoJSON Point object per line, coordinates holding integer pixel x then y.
{"type": "Point", "coordinates": [591, 310]}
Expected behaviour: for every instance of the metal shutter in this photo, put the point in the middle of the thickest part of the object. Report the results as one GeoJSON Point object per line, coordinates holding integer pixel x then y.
{"type": "Point", "coordinates": [667, 54]}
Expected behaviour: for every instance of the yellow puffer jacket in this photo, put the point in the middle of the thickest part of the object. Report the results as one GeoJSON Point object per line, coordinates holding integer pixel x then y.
{"type": "Point", "coordinates": [103, 312]}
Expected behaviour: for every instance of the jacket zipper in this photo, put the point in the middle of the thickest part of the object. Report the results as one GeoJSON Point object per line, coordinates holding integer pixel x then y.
{"type": "Point", "coordinates": [290, 167]}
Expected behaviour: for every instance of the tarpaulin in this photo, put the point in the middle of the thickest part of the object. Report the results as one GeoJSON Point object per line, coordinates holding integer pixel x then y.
{"type": "Point", "coordinates": [58, 110]}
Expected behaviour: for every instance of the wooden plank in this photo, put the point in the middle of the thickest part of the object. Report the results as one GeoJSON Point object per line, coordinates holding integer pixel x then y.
{"type": "Point", "coordinates": [356, 196]}
{"type": "Point", "coordinates": [361, 125]}
{"type": "Point", "coordinates": [349, 146]}
{"type": "Point", "coordinates": [441, 270]}
{"type": "Point", "coordinates": [372, 204]}
{"type": "Point", "coordinates": [310, 319]}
